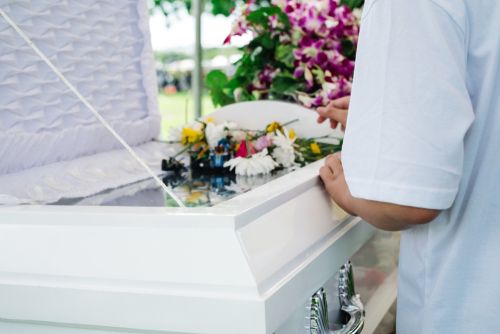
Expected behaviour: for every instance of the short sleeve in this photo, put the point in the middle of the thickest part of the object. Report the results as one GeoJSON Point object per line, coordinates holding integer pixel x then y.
{"type": "Point", "coordinates": [410, 108]}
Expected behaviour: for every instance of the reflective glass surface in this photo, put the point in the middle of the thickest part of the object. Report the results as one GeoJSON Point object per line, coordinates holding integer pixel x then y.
{"type": "Point", "coordinates": [203, 190]}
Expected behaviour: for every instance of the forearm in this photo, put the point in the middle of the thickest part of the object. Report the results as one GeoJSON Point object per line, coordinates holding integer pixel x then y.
{"type": "Point", "coordinates": [385, 216]}
{"type": "Point", "coordinates": [390, 217]}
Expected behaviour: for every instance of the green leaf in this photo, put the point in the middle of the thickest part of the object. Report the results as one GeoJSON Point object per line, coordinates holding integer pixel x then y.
{"type": "Point", "coordinates": [352, 4]}
{"type": "Point", "coordinates": [261, 16]}
{"type": "Point", "coordinates": [267, 41]}
{"type": "Point", "coordinates": [284, 84]}
{"type": "Point", "coordinates": [219, 98]}
{"type": "Point", "coordinates": [224, 7]}
{"type": "Point", "coordinates": [284, 54]}
{"type": "Point", "coordinates": [319, 74]}
{"type": "Point", "coordinates": [348, 49]}
{"type": "Point", "coordinates": [264, 40]}
{"type": "Point", "coordinates": [216, 79]}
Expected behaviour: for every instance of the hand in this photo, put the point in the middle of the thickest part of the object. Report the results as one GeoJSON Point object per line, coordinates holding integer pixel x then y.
{"type": "Point", "coordinates": [335, 111]}
{"type": "Point", "coordinates": [332, 174]}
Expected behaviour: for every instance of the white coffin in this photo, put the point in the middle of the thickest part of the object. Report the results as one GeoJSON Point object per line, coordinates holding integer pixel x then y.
{"type": "Point", "coordinates": [247, 265]}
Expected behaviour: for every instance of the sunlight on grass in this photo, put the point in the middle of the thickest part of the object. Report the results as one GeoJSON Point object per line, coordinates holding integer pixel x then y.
{"type": "Point", "coordinates": [178, 109]}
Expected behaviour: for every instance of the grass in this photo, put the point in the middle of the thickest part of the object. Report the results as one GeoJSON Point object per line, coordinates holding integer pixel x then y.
{"type": "Point", "coordinates": [178, 109]}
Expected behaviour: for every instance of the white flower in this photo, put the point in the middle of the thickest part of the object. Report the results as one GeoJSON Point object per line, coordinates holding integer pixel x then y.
{"type": "Point", "coordinates": [238, 135]}
{"type": "Point", "coordinates": [175, 134]}
{"type": "Point", "coordinates": [285, 157]}
{"type": "Point", "coordinates": [258, 163]}
{"type": "Point", "coordinates": [279, 3]}
{"type": "Point", "coordinates": [357, 12]}
{"type": "Point", "coordinates": [214, 133]}
{"type": "Point", "coordinates": [330, 86]}
{"type": "Point", "coordinates": [281, 139]}
{"type": "Point", "coordinates": [284, 153]}
{"type": "Point", "coordinates": [238, 92]}
{"type": "Point", "coordinates": [305, 100]}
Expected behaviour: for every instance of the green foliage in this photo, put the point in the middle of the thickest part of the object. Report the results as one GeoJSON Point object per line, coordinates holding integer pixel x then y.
{"type": "Point", "coordinates": [349, 49]}
{"type": "Point", "coordinates": [169, 57]}
{"type": "Point", "coordinates": [169, 7]}
{"type": "Point", "coordinates": [284, 85]}
{"type": "Point", "coordinates": [223, 7]}
{"type": "Point", "coordinates": [264, 50]}
{"type": "Point", "coordinates": [284, 54]}
{"type": "Point", "coordinates": [325, 149]}
{"type": "Point", "coordinates": [353, 3]}
{"type": "Point", "coordinates": [216, 81]}
{"type": "Point", "coordinates": [216, 7]}
{"type": "Point", "coordinates": [261, 16]}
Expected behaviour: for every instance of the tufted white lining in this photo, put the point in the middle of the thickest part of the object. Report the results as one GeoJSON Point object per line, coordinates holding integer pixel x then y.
{"type": "Point", "coordinates": [103, 48]}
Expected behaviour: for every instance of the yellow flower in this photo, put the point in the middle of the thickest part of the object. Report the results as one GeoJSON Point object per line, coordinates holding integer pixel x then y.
{"type": "Point", "coordinates": [315, 148]}
{"type": "Point", "coordinates": [195, 197]}
{"type": "Point", "coordinates": [191, 136]}
{"type": "Point", "coordinates": [273, 127]}
{"type": "Point", "coordinates": [292, 134]}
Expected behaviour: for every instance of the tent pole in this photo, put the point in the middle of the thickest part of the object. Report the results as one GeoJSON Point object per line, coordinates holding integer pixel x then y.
{"type": "Point", "coordinates": [197, 78]}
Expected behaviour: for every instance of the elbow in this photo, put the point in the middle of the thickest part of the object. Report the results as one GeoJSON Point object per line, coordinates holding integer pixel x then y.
{"type": "Point", "coordinates": [419, 216]}
{"type": "Point", "coordinates": [399, 218]}
{"type": "Point", "coordinates": [393, 217]}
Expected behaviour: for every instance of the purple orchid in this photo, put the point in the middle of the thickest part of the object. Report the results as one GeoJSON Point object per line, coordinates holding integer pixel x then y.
{"type": "Point", "coordinates": [318, 32]}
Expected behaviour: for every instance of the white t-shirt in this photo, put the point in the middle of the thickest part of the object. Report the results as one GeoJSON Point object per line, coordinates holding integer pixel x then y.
{"type": "Point", "coordinates": [424, 131]}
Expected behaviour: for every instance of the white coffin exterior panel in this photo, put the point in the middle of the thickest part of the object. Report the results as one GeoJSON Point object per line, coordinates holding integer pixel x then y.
{"type": "Point", "coordinates": [215, 270]}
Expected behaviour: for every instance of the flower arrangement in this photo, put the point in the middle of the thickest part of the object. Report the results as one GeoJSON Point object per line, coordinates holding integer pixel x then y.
{"type": "Point", "coordinates": [226, 148]}
{"type": "Point", "coordinates": [301, 51]}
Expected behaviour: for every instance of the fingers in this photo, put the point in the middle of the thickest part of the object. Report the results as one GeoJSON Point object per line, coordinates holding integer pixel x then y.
{"type": "Point", "coordinates": [332, 113]}
{"type": "Point", "coordinates": [335, 111]}
{"type": "Point", "coordinates": [342, 103]}
{"type": "Point", "coordinates": [334, 163]}
{"type": "Point", "coordinates": [333, 124]}
{"type": "Point", "coordinates": [332, 175]}
{"type": "Point", "coordinates": [326, 174]}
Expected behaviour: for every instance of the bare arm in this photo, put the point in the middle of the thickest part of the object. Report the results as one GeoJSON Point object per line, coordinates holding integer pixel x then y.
{"type": "Point", "coordinates": [385, 216]}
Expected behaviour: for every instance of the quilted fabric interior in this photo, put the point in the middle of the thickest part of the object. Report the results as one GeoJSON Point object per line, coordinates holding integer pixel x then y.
{"type": "Point", "coordinates": [103, 48]}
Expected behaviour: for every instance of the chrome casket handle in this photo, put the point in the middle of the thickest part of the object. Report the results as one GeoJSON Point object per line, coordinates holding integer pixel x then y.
{"type": "Point", "coordinates": [350, 303]}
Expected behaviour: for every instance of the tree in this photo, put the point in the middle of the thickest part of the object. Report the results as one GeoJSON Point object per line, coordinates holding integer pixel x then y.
{"type": "Point", "coordinates": [216, 7]}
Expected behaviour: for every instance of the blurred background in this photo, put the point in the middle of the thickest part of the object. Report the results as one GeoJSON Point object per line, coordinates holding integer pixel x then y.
{"type": "Point", "coordinates": [186, 34]}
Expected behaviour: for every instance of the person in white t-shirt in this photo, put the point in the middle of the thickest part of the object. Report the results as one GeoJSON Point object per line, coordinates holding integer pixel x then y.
{"type": "Point", "coordinates": [422, 154]}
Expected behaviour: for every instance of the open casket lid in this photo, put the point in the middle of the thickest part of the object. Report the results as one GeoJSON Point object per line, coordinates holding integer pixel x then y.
{"type": "Point", "coordinates": [103, 49]}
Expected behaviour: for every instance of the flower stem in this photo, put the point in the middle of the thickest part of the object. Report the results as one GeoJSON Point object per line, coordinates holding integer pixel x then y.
{"type": "Point", "coordinates": [249, 152]}
{"type": "Point", "coordinates": [184, 150]}
{"type": "Point", "coordinates": [291, 122]}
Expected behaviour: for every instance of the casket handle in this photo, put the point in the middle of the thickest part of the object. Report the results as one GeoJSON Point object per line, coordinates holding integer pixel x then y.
{"type": "Point", "coordinates": [350, 303]}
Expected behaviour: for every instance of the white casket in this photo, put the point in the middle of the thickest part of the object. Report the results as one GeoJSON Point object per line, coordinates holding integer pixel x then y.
{"type": "Point", "coordinates": [87, 241]}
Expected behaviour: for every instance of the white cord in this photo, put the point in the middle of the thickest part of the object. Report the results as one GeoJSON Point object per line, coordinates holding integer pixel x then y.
{"type": "Point", "coordinates": [21, 33]}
